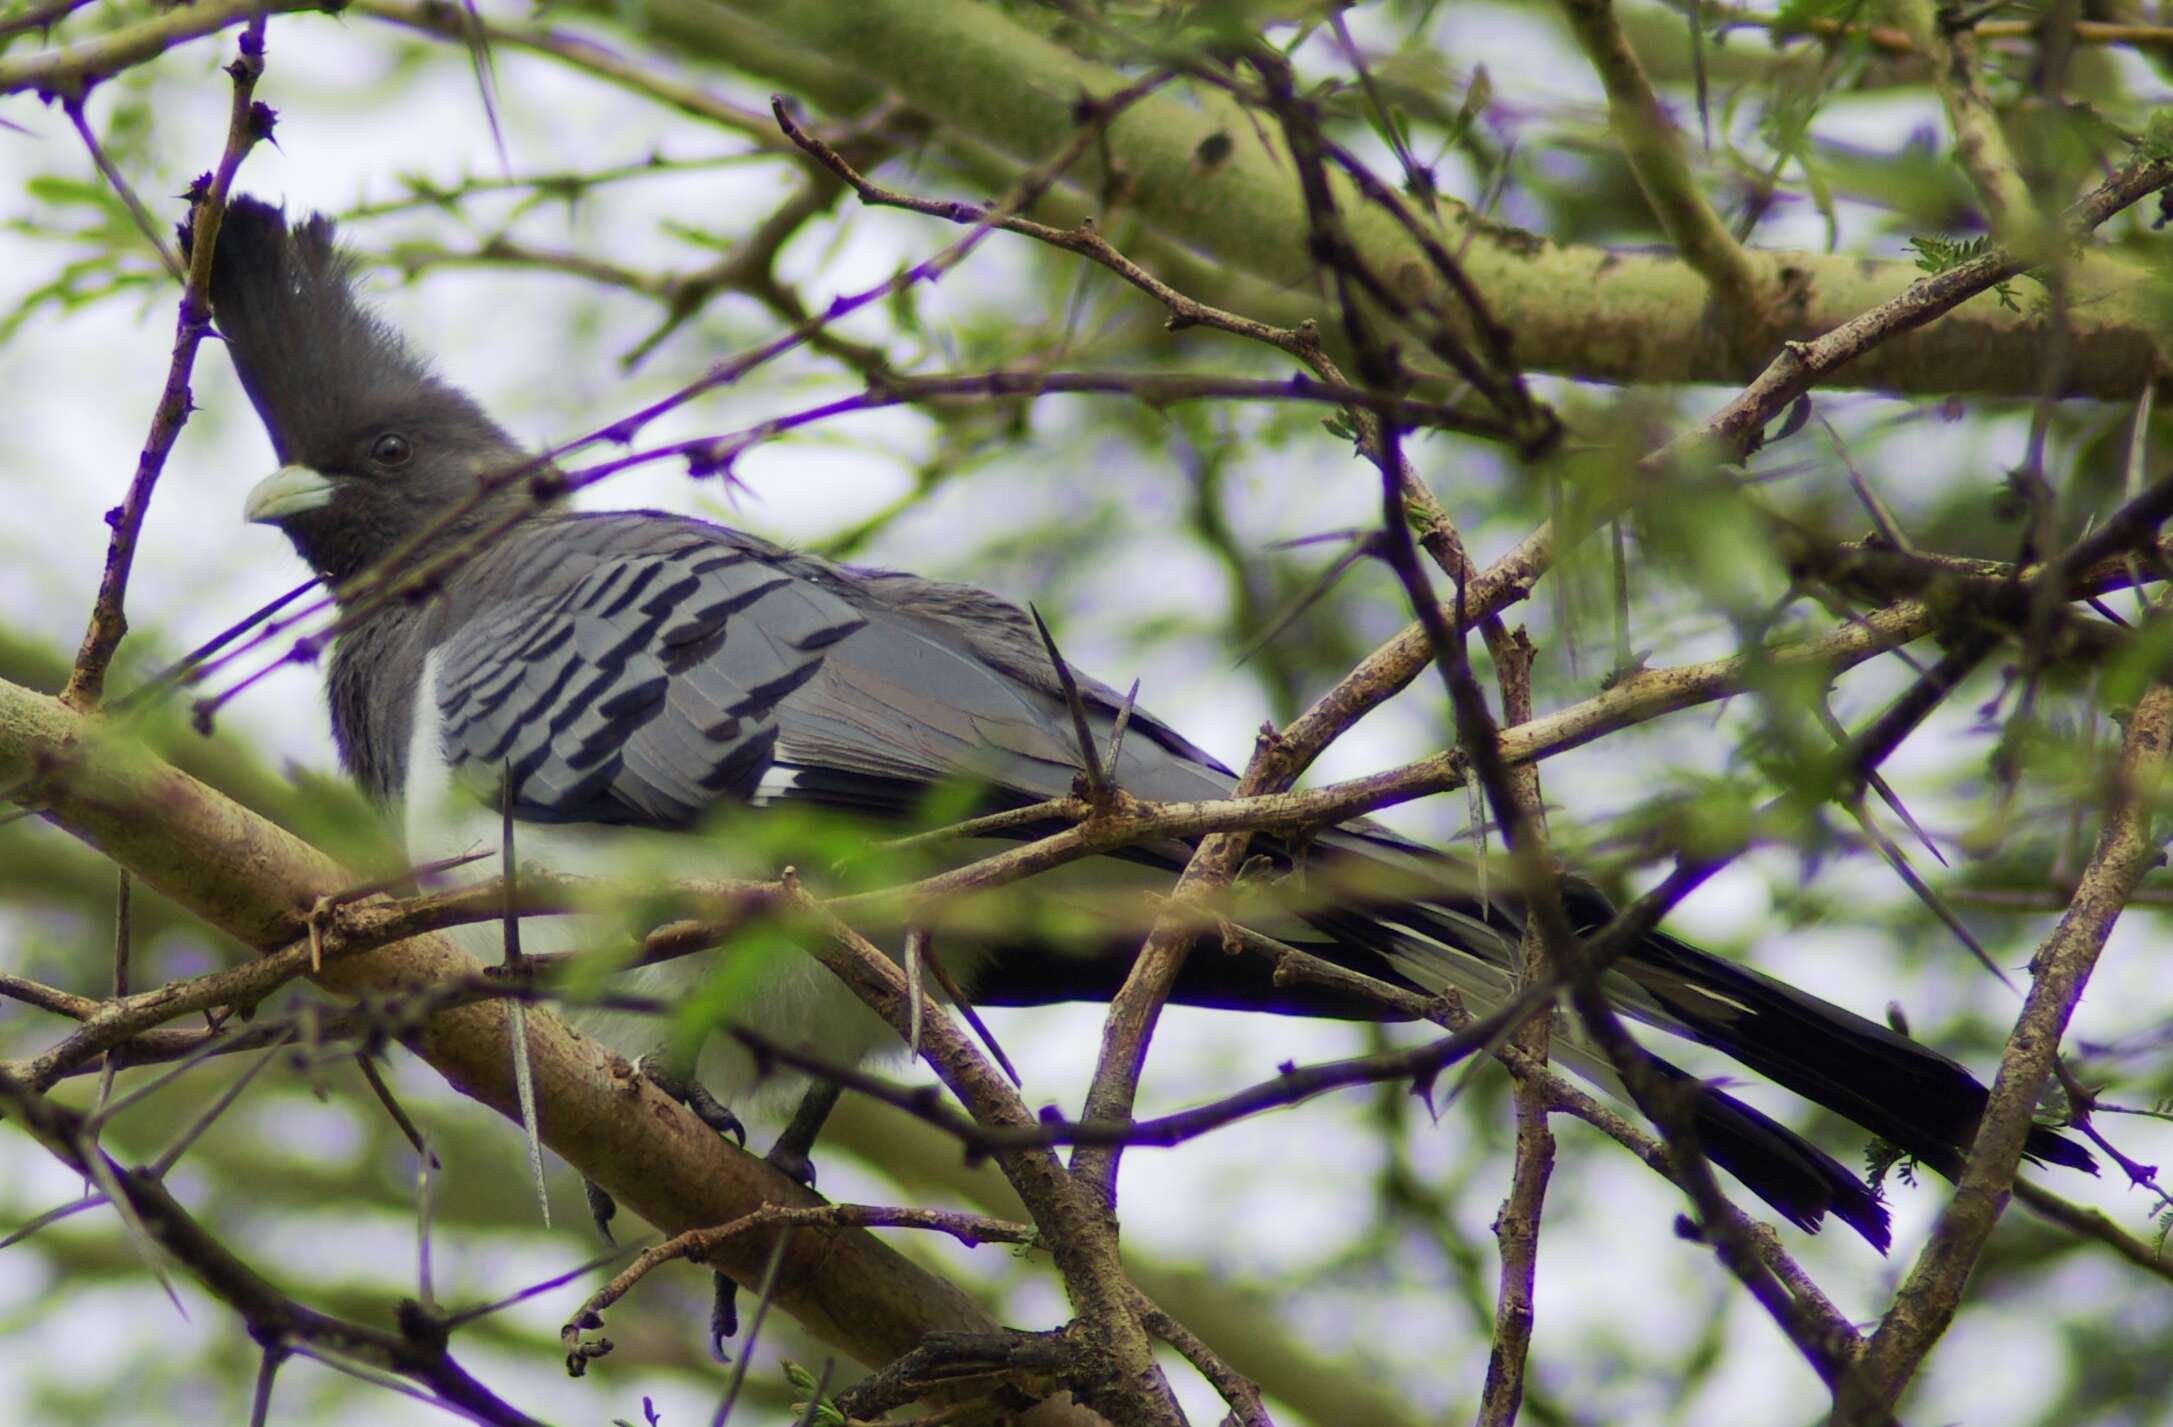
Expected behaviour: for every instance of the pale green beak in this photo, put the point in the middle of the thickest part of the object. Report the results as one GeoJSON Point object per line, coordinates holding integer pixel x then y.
{"type": "Point", "coordinates": [285, 493]}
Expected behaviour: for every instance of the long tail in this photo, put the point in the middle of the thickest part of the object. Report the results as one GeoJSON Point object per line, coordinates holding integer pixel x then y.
{"type": "Point", "coordinates": [1390, 909]}
{"type": "Point", "coordinates": [1802, 1182]}
{"type": "Point", "coordinates": [1798, 1179]}
{"type": "Point", "coordinates": [1905, 1093]}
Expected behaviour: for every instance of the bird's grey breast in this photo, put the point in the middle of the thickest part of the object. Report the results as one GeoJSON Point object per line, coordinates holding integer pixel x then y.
{"type": "Point", "coordinates": [375, 679]}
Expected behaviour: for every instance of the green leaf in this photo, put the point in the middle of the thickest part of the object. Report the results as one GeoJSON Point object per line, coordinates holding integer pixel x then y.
{"type": "Point", "coordinates": [2157, 141]}
{"type": "Point", "coordinates": [1477, 95]}
{"type": "Point", "coordinates": [1938, 255]}
{"type": "Point", "coordinates": [824, 1413]}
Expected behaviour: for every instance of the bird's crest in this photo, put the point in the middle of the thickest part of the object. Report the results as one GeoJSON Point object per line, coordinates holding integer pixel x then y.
{"type": "Point", "coordinates": [317, 364]}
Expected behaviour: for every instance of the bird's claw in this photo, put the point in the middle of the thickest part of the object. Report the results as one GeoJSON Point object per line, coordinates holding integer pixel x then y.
{"type": "Point", "coordinates": [723, 1316]}
{"type": "Point", "coordinates": [711, 1111]}
{"type": "Point", "coordinates": [602, 1209]}
{"type": "Point", "coordinates": [791, 1161]}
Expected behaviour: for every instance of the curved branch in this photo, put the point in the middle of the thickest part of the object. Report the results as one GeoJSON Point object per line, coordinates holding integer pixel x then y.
{"type": "Point", "coordinates": [1654, 149]}
{"type": "Point", "coordinates": [1577, 309]}
{"type": "Point", "coordinates": [1582, 310]}
{"type": "Point", "coordinates": [71, 71]}
{"type": "Point", "coordinates": [256, 882]}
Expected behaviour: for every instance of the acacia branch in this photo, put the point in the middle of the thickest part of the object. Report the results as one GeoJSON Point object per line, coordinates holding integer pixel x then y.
{"type": "Point", "coordinates": [1583, 310]}
{"type": "Point", "coordinates": [702, 1244]}
{"type": "Point", "coordinates": [1516, 1226]}
{"type": "Point", "coordinates": [1654, 149]}
{"type": "Point", "coordinates": [716, 910]}
{"type": "Point", "coordinates": [1578, 309]}
{"type": "Point", "coordinates": [1736, 429]}
{"type": "Point", "coordinates": [2126, 849]}
{"type": "Point", "coordinates": [416, 1352]}
{"type": "Point", "coordinates": [71, 71]}
{"type": "Point", "coordinates": [464, 27]}
{"type": "Point", "coordinates": [2091, 1224]}
{"type": "Point", "coordinates": [247, 122]}
{"type": "Point", "coordinates": [1980, 144]}
{"type": "Point", "coordinates": [256, 882]}
{"type": "Point", "coordinates": [1115, 1371]}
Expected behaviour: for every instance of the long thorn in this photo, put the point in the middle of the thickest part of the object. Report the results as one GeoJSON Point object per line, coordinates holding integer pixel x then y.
{"type": "Point", "coordinates": [486, 79]}
{"type": "Point", "coordinates": [173, 1152]}
{"type": "Point", "coordinates": [916, 950]}
{"type": "Point", "coordinates": [1876, 782]}
{"type": "Point", "coordinates": [973, 1017]}
{"type": "Point", "coordinates": [1923, 890]}
{"type": "Point", "coordinates": [2138, 455]}
{"type": "Point", "coordinates": [260, 1403]}
{"type": "Point", "coordinates": [1124, 721]}
{"type": "Point", "coordinates": [425, 1285]}
{"type": "Point", "coordinates": [524, 1080]}
{"type": "Point", "coordinates": [1090, 757]}
{"type": "Point", "coordinates": [495, 1305]}
{"type": "Point", "coordinates": [100, 1170]}
{"type": "Point", "coordinates": [68, 1210]}
{"type": "Point", "coordinates": [180, 669]}
{"type": "Point", "coordinates": [1358, 550]}
{"type": "Point", "coordinates": [399, 1115]}
{"type": "Point", "coordinates": [109, 1064]}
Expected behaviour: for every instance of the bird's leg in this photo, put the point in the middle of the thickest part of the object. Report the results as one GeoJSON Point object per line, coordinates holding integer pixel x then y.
{"type": "Point", "coordinates": [602, 1209]}
{"type": "Point", "coordinates": [789, 1154]}
{"type": "Point", "coordinates": [677, 1081]}
{"type": "Point", "coordinates": [723, 1315]}
{"type": "Point", "coordinates": [724, 1293]}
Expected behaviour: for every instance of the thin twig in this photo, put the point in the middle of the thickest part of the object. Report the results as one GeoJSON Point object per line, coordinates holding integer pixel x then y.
{"type": "Point", "coordinates": [524, 1077]}
{"type": "Point", "coordinates": [247, 122]}
{"type": "Point", "coordinates": [1931, 1295]}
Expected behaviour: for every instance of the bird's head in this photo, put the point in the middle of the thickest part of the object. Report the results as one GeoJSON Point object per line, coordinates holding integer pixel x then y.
{"type": "Point", "coordinates": [374, 448]}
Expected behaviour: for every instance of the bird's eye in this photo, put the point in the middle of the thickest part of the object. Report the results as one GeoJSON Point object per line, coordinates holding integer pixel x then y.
{"type": "Point", "coordinates": [391, 449]}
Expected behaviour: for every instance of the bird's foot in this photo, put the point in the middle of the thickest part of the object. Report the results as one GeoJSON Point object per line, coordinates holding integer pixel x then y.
{"type": "Point", "coordinates": [791, 1154]}
{"type": "Point", "coordinates": [602, 1209]}
{"type": "Point", "coordinates": [723, 1315]}
{"type": "Point", "coordinates": [676, 1079]}
{"type": "Point", "coordinates": [710, 1110]}
{"type": "Point", "coordinates": [791, 1161]}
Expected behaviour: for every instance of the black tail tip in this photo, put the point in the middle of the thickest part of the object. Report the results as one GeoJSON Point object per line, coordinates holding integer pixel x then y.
{"type": "Point", "coordinates": [2049, 1146]}
{"type": "Point", "coordinates": [1798, 1179]}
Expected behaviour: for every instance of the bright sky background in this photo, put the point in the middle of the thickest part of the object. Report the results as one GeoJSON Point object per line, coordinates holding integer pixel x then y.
{"type": "Point", "coordinates": [1254, 1202]}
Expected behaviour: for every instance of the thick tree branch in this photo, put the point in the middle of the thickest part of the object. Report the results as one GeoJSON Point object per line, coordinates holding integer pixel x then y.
{"type": "Point", "coordinates": [1575, 309]}
{"type": "Point", "coordinates": [618, 1128]}
{"type": "Point", "coordinates": [1578, 310]}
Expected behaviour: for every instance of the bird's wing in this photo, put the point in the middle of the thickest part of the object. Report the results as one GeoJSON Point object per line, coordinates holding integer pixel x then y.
{"type": "Point", "coordinates": [640, 669]}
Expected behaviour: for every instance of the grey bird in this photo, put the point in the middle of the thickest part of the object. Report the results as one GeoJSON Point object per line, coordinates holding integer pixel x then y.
{"type": "Point", "coordinates": [621, 676]}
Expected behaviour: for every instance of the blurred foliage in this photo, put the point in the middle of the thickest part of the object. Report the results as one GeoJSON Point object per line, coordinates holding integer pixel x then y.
{"type": "Point", "coordinates": [1196, 545]}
